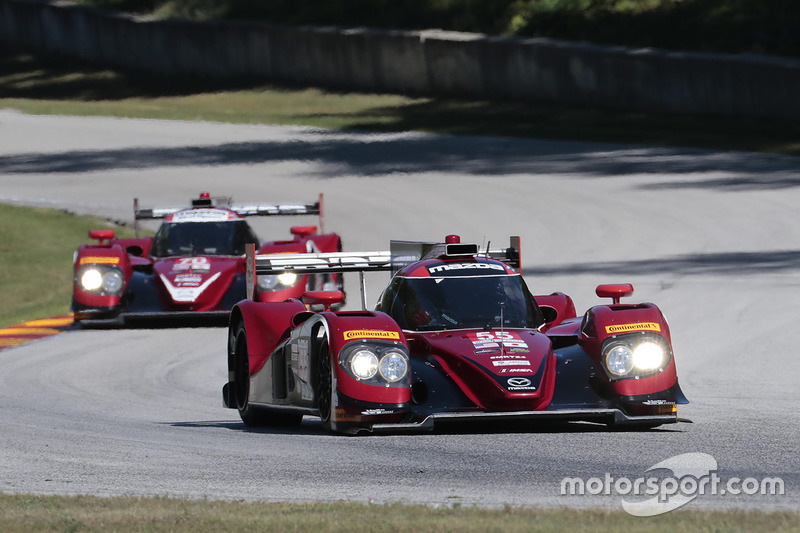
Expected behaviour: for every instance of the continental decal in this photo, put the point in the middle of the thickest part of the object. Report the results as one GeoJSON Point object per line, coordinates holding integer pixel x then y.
{"type": "Point", "coordinates": [370, 334]}
{"type": "Point", "coordinates": [641, 326]}
{"type": "Point", "coordinates": [99, 260]}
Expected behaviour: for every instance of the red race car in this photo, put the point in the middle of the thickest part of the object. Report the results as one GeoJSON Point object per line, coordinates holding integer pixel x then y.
{"type": "Point", "coordinates": [455, 336]}
{"type": "Point", "coordinates": [194, 265]}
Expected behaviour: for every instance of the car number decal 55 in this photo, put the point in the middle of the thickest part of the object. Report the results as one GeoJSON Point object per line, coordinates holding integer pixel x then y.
{"type": "Point", "coordinates": [484, 340]}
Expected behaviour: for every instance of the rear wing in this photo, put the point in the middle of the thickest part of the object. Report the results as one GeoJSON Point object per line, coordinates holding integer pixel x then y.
{"type": "Point", "coordinates": [405, 253]}
{"type": "Point", "coordinates": [245, 210]}
{"type": "Point", "coordinates": [400, 255]}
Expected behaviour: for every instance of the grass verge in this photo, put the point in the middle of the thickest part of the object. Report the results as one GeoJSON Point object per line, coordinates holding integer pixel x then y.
{"type": "Point", "coordinates": [85, 513]}
{"type": "Point", "coordinates": [42, 87]}
{"type": "Point", "coordinates": [36, 260]}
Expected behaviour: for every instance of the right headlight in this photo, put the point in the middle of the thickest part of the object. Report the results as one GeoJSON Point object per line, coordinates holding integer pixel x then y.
{"type": "Point", "coordinates": [648, 356]}
{"type": "Point", "coordinates": [393, 366]}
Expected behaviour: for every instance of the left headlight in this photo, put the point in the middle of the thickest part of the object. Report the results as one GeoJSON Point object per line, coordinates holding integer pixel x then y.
{"type": "Point", "coordinates": [636, 355]}
{"type": "Point", "coordinates": [364, 364]}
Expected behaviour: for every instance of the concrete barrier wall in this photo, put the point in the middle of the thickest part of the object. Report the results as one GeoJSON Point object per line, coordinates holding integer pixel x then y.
{"type": "Point", "coordinates": [427, 62]}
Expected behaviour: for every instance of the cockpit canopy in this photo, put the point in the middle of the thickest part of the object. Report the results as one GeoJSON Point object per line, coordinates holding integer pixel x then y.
{"type": "Point", "coordinates": [202, 238]}
{"type": "Point", "coordinates": [459, 302]}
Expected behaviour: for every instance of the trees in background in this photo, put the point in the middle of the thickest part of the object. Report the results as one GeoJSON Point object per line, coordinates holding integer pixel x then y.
{"type": "Point", "coordinates": [733, 26]}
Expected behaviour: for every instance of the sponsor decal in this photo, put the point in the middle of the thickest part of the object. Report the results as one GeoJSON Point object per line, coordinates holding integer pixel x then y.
{"type": "Point", "coordinates": [203, 215]}
{"type": "Point", "coordinates": [507, 357]}
{"type": "Point", "coordinates": [465, 266]}
{"type": "Point", "coordinates": [520, 384]}
{"type": "Point", "coordinates": [641, 326]}
{"type": "Point", "coordinates": [188, 280]}
{"type": "Point", "coordinates": [187, 294]}
{"type": "Point", "coordinates": [377, 412]}
{"type": "Point", "coordinates": [658, 402]}
{"type": "Point", "coordinates": [343, 416]}
{"type": "Point", "coordinates": [370, 334]}
{"type": "Point", "coordinates": [511, 363]}
{"type": "Point", "coordinates": [515, 371]}
{"type": "Point", "coordinates": [303, 361]}
{"type": "Point", "coordinates": [98, 260]}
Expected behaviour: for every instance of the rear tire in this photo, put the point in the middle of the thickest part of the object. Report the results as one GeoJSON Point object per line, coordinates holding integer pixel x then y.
{"type": "Point", "coordinates": [251, 415]}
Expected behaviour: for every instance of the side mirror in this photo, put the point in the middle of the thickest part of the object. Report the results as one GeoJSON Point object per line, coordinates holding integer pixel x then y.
{"type": "Point", "coordinates": [323, 298]}
{"type": "Point", "coordinates": [615, 292]}
{"type": "Point", "coordinates": [302, 231]}
{"type": "Point", "coordinates": [101, 235]}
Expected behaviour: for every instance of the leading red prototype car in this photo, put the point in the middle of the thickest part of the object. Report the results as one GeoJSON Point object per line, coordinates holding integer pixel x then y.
{"type": "Point", "coordinates": [194, 265]}
{"type": "Point", "coordinates": [456, 335]}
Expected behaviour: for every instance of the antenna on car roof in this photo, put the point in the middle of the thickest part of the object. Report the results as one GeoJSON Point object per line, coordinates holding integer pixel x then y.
{"type": "Point", "coordinates": [502, 333]}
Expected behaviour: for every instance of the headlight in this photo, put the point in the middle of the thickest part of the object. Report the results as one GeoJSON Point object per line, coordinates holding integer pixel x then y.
{"type": "Point", "coordinates": [635, 355]}
{"type": "Point", "coordinates": [112, 281]}
{"type": "Point", "coordinates": [266, 283]}
{"type": "Point", "coordinates": [393, 367]}
{"type": "Point", "coordinates": [91, 279]}
{"type": "Point", "coordinates": [277, 282]}
{"type": "Point", "coordinates": [619, 360]}
{"type": "Point", "coordinates": [376, 362]}
{"type": "Point", "coordinates": [287, 279]}
{"type": "Point", "coordinates": [648, 356]}
{"type": "Point", "coordinates": [364, 364]}
{"type": "Point", "coordinates": [101, 279]}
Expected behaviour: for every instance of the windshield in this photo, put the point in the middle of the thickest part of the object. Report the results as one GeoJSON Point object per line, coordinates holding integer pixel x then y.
{"type": "Point", "coordinates": [422, 304]}
{"type": "Point", "coordinates": [202, 238]}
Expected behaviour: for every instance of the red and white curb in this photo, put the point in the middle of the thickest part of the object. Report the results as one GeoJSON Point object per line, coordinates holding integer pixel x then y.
{"type": "Point", "coordinates": [33, 330]}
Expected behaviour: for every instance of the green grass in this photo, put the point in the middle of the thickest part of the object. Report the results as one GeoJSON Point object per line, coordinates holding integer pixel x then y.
{"type": "Point", "coordinates": [85, 514]}
{"type": "Point", "coordinates": [36, 260]}
{"type": "Point", "coordinates": [34, 86]}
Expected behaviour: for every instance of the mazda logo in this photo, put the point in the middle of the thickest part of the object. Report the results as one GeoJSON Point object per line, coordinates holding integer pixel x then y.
{"type": "Point", "coordinates": [519, 382]}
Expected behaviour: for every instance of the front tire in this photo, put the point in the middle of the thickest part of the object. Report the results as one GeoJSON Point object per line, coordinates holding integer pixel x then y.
{"type": "Point", "coordinates": [325, 387]}
{"type": "Point", "coordinates": [251, 415]}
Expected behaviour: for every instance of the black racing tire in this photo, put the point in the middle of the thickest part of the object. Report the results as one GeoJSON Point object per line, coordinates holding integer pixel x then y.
{"type": "Point", "coordinates": [251, 415]}
{"type": "Point", "coordinates": [325, 387]}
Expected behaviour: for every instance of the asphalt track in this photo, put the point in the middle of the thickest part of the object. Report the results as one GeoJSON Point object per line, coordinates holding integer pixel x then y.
{"type": "Point", "coordinates": [712, 237]}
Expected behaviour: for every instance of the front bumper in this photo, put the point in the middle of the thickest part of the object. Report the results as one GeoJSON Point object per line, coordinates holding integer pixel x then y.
{"type": "Point", "coordinates": [162, 317]}
{"type": "Point", "coordinates": [609, 416]}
